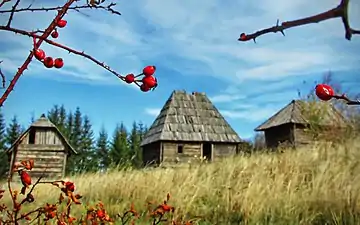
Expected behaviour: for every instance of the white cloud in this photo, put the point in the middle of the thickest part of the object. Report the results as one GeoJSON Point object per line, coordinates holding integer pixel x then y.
{"type": "Point", "coordinates": [153, 111]}
{"type": "Point", "coordinates": [254, 115]}
{"type": "Point", "coordinates": [225, 98]}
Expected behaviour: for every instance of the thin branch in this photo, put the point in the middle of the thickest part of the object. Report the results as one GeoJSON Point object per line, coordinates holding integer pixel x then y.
{"type": "Point", "coordinates": [3, 2]}
{"type": "Point", "coordinates": [25, 65]}
{"type": "Point", "coordinates": [12, 13]}
{"type": "Point", "coordinates": [70, 50]}
{"type": "Point", "coordinates": [348, 101]}
{"type": "Point", "coordinates": [108, 8]}
{"type": "Point", "coordinates": [341, 11]}
{"type": "Point", "coordinates": [2, 77]}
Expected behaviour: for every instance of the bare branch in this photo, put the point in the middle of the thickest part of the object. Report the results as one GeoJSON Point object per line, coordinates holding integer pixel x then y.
{"type": "Point", "coordinates": [341, 11]}
{"type": "Point", "coordinates": [3, 2]}
{"type": "Point", "coordinates": [2, 77]}
{"type": "Point", "coordinates": [109, 8]}
{"type": "Point", "coordinates": [70, 50]}
{"type": "Point", "coordinates": [348, 101]}
{"type": "Point", "coordinates": [12, 13]}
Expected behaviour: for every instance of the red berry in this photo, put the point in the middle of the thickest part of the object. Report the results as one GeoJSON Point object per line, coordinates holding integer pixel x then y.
{"type": "Point", "coordinates": [324, 92]}
{"type": "Point", "coordinates": [55, 34]}
{"type": "Point", "coordinates": [149, 70]}
{"type": "Point", "coordinates": [144, 88]}
{"type": "Point", "coordinates": [39, 54]}
{"type": "Point", "coordinates": [48, 62]}
{"type": "Point", "coordinates": [129, 78]}
{"type": "Point", "coordinates": [58, 63]}
{"type": "Point", "coordinates": [149, 81]}
{"type": "Point", "coordinates": [243, 37]}
{"type": "Point", "coordinates": [70, 186]}
{"type": "Point", "coordinates": [61, 23]}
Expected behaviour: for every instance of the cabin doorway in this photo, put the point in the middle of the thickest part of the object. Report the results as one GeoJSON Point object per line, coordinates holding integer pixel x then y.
{"type": "Point", "coordinates": [207, 151]}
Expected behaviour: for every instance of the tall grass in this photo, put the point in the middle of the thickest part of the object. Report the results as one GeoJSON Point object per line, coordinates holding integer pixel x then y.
{"type": "Point", "coordinates": [318, 185]}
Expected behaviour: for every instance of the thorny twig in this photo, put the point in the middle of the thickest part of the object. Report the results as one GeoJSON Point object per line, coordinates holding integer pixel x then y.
{"type": "Point", "coordinates": [2, 77]}
{"type": "Point", "coordinates": [62, 10]}
{"type": "Point", "coordinates": [340, 11]}
{"type": "Point", "coordinates": [26, 63]}
{"type": "Point", "coordinates": [12, 13]}
{"type": "Point", "coordinates": [108, 8]}
{"type": "Point", "coordinates": [70, 50]}
{"type": "Point", "coordinates": [3, 2]}
{"type": "Point", "coordinates": [348, 101]}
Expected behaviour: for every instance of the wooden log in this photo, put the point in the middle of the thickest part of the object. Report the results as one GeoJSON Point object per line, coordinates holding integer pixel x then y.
{"type": "Point", "coordinates": [41, 147]}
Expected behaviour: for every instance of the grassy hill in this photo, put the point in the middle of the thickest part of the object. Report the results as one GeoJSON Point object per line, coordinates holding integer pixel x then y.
{"type": "Point", "coordinates": [319, 185]}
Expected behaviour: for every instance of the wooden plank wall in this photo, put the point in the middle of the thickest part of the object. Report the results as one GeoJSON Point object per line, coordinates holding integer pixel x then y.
{"type": "Point", "coordinates": [44, 136]}
{"type": "Point", "coordinates": [223, 150]}
{"type": "Point", "coordinates": [191, 153]}
{"type": "Point", "coordinates": [48, 153]}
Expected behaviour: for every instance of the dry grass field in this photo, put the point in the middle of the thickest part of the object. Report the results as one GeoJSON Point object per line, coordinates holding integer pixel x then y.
{"type": "Point", "coordinates": [319, 185]}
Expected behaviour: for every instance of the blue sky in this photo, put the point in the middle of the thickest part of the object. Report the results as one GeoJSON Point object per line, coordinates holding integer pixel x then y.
{"type": "Point", "coordinates": [194, 47]}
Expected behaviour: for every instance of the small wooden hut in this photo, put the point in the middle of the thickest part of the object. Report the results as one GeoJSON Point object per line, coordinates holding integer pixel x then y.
{"type": "Point", "coordinates": [189, 126]}
{"type": "Point", "coordinates": [44, 143]}
{"type": "Point", "coordinates": [289, 126]}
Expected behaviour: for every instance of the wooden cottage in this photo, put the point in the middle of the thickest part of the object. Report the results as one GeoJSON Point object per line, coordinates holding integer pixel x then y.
{"type": "Point", "coordinates": [189, 126]}
{"type": "Point", "coordinates": [289, 126]}
{"type": "Point", "coordinates": [44, 143]}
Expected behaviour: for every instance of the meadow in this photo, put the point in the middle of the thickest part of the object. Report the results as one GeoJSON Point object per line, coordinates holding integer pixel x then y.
{"type": "Point", "coordinates": [318, 185]}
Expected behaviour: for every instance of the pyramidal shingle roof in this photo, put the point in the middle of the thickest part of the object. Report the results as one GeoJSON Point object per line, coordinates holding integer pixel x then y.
{"type": "Point", "coordinates": [294, 113]}
{"type": "Point", "coordinates": [190, 117]}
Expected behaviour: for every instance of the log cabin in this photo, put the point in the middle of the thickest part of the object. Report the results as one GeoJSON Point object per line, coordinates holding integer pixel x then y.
{"type": "Point", "coordinates": [46, 145]}
{"type": "Point", "coordinates": [188, 126]}
{"type": "Point", "coordinates": [291, 125]}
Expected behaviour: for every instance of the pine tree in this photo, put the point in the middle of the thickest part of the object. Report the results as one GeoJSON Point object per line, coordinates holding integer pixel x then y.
{"type": "Point", "coordinates": [77, 128]}
{"type": "Point", "coordinates": [4, 161]}
{"type": "Point", "coordinates": [62, 119]}
{"type": "Point", "coordinates": [69, 127]}
{"type": "Point", "coordinates": [86, 157]}
{"type": "Point", "coordinates": [102, 150]}
{"type": "Point", "coordinates": [119, 151]}
{"type": "Point", "coordinates": [141, 130]}
{"type": "Point", "coordinates": [13, 131]}
{"type": "Point", "coordinates": [53, 115]}
{"type": "Point", "coordinates": [134, 144]}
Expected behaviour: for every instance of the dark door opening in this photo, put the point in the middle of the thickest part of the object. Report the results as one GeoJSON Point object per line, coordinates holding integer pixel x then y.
{"type": "Point", "coordinates": [207, 151]}
{"type": "Point", "coordinates": [32, 136]}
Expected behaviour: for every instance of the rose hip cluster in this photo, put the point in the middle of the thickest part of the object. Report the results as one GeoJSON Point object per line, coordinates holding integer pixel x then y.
{"type": "Point", "coordinates": [48, 61]}
{"type": "Point", "coordinates": [148, 82]}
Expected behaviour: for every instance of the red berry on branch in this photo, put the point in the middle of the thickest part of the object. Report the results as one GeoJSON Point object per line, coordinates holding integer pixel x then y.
{"type": "Point", "coordinates": [324, 92]}
{"type": "Point", "coordinates": [129, 78]}
{"type": "Point", "coordinates": [58, 63]}
{"type": "Point", "coordinates": [39, 54]}
{"type": "Point", "coordinates": [243, 37]}
{"type": "Point", "coordinates": [149, 81]}
{"type": "Point", "coordinates": [48, 62]}
{"type": "Point", "coordinates": [61, 23]}
{"type": "Point", "coordinates": [144, 88]}
{"type": "Point", "coordinates": [149, 70]}
{"type": "Point", "coordinates": [55, 34]}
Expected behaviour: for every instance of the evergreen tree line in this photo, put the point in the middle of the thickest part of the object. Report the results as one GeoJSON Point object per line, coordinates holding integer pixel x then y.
{"type": "Point", "coordinates": [94, 154]}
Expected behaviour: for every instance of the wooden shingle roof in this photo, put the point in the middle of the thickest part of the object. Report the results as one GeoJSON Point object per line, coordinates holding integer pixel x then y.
{"type": "Point", "coordinates": [294, 113]}
{"type": "Point", "coordinates": [190, 117]}
{"type": "Point", "coordinates": [41, 122]}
